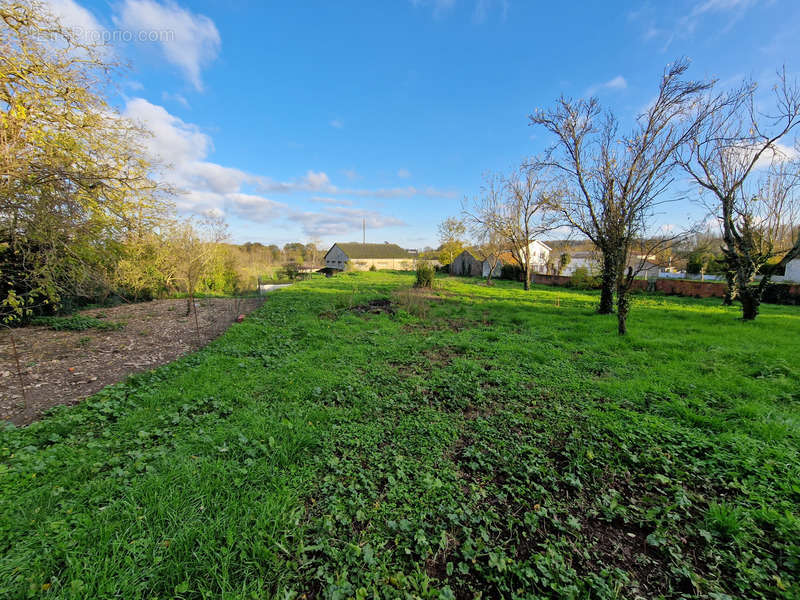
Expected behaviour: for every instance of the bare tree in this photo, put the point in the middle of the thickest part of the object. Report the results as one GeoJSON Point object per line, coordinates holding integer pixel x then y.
{"type": "Point", "coordinates": [480, 214]}
{"type": "Point", "coordinates": [514, 210]}
{"type": "Point", "coordinates": [740, 159]}
{"type": "Point", "coordinates": [613, 183]}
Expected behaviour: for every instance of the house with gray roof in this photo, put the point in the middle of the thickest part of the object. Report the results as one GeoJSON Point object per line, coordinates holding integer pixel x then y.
{"type": "Point", "coordinates": [361, 257]}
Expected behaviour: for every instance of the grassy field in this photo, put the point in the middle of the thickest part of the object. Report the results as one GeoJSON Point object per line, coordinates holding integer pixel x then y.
{"type": "Point", "coordinates": [469, 440]}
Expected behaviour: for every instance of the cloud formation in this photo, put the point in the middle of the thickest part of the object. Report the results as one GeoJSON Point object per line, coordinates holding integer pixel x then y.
{"type": "Point", "coordinates": [616, 83]}
{"type": "Point", "coordinates": [77, 18]}
{"type": "Point", "coordinates": [205, 187]}
{"type": "Point", "coordinates": [192, 41]}
{"type": "Point", "coordinates": [340, 221]}
{"type": "Point", "coordinates": [663, 31]}
{"type": "Point", "coordinates": [182, 151]}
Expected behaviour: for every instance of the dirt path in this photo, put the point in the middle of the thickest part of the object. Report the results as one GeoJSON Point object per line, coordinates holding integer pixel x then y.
{"type": "Point", "coordinates": [64, 367]}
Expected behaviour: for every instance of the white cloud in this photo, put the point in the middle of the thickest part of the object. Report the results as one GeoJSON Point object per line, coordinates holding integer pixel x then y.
{"type": "Point", "coordinates": [351, 174]}
{"type": "Point", "coordinates": [334, 201]}
{"type": "Point", "coordinates": [482, 8]}
{"type": "Point", "coordinates": [192, 41]}
{"type": "Point", "coordinates": [205, 187]}
{"type": "Point", "coordinates": [182, 150]}
{"type": "Point", "coordinates": [403, 173]}
{"type": "Point", "coordinates": [738, 7]}
{"type": "Point", "coordinates": [777, 154]}
{"type": "Point", "coordinates": [480, 11]}
{"type": "Point", "coordinates": [337, 124]}
{"type": "Point", "coordinates": [255, 208]}
{"type": "Point", "coordinates": [341, 221]}
{"type": "Point", "coordinates": [656, 30]}
{"type": "Point", "coordinates": [616, 83]}
{"type": "Point", "coordinates": [180, 99]}
{"type": "Point", "coordinates": [75, 17]}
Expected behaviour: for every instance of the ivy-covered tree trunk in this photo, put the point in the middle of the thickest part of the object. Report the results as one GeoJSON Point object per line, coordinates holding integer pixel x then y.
{"type": "Point", "coordinates": [608, 281]}
{"type": "Point", "coordinates": [730, 290]}
{"type": "Point", "coordinates": [623, 300]}
{"type": "Point", "coordinates": [750, 299]}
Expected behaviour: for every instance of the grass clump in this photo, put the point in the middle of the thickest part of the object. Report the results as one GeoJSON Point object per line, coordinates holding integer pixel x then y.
{"type": "Point", "coordinates": [77, 323]}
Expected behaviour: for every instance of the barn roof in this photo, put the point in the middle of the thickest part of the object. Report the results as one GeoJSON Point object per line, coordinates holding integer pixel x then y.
{"type": "Point", "coordinates": [358, 250]}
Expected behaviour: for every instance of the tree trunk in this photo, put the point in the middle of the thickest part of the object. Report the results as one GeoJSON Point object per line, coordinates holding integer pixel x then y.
{"type": "Point", "coordinates": [608, 281]}
{"type": "Point", "coordinates": [527, 277]}
{"type": "Point", "coordinates": [623, 306]}
{"type": "Point", "coordinates": [730, 291]}
{"type": "Point", "coordinates": [189, 303]}
{"type": "Point", "coordinates": [750, 302]}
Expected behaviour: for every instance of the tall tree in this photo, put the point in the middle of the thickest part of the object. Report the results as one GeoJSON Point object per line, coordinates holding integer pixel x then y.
{"type": "Point", "coordinates": [452, 232]}
{"type": "Point", "coordinates": [742, 158]}
{"type": "Point", "coordinates": [612, 183]}
{"type": "Point", "coordinates": [73, 174]}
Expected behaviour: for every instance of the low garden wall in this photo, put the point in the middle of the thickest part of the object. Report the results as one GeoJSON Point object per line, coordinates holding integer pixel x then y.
{"type": "Point", "coordinates": [777, 293]}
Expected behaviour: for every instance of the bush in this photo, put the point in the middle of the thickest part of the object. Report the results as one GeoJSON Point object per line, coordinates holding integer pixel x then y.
{"type": "Point", "coordinates": [372, 268]}
{"type": "Point", "coordinates": [780, 293]}
{"type": "Point", "coordinates": [291, 270]}
{"type": "Point", "coordinates": [425, 274]}
{"type": "Point", "coordinates": [512, 272]}
{"type": "Point", "coordinates": [582, 280]}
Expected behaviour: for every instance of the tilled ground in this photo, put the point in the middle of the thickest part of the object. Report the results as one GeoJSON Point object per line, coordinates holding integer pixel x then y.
{"type": "Point", "coordinates": [64, 367]}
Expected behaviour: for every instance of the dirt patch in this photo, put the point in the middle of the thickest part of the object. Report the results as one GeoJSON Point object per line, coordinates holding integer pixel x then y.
{"type": "Point", "coordinates": [624, 545]}
{"type": "Point", "coordinates": [441, 356]}
{"type": "Point", "coordinates": [65, 367]}
{"type": "Point", "coordinates": [374, 307]}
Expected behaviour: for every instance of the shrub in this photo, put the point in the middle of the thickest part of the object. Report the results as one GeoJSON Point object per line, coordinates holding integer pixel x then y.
{"type": "Point", "coordinates": [425, 274]}
{"type": "Point", "coordinates": [582, 280]}
{"type": "Point", "coordinates": [512, 272]}
{"type": "Point", "coordinates": [291, 270]}
{"type": "Point", "coordinates": [780, 293]}
{"type": "Point", "coordinates": [372, 268]}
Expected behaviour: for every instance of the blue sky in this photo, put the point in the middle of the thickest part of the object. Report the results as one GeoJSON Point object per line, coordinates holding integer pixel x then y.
{"type": "Point", "coordinates": [297, 119]}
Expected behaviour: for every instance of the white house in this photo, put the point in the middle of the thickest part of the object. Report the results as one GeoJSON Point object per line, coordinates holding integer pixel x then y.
{"type": "Point", "coordinates": [539, 254]}
{"type": "Point", "coordinates": [793, 270]}
{"type": "Point", "coordinates": [583, 260]}
{"type": "Point", "coordinates": [590, 261]}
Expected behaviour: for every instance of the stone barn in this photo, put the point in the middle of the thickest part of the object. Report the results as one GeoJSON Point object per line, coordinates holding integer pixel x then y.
{"type": "Point", "coordinates": [466, 265]}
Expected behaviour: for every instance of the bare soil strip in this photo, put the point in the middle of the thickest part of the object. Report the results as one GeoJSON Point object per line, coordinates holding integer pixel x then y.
{"type": "Point", "coordinates": [65, 367]}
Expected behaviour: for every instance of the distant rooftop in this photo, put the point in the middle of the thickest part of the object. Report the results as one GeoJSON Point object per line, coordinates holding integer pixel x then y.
{"type": "Point", "coordinates": [358, 250]}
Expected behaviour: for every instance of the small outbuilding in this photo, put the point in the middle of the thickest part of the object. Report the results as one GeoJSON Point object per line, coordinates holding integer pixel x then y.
{"type": "Point", "coordinates": [792, 272]}
{"type": "Point", "coordinates": [466, 265]}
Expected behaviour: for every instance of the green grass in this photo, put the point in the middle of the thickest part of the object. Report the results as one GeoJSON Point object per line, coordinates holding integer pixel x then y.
{"type": "Point", "coordinates": [494, 440]}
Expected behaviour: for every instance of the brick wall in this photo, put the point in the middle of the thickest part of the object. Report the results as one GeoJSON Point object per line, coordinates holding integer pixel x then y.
{"type": "Point", "coordinates": [673, 287]}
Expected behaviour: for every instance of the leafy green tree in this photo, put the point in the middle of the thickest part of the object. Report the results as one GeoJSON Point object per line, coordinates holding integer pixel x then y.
{"type": "Point", "coordinates": [75, 178]}
{"type": "Point", "coordinates": [452, 232]}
